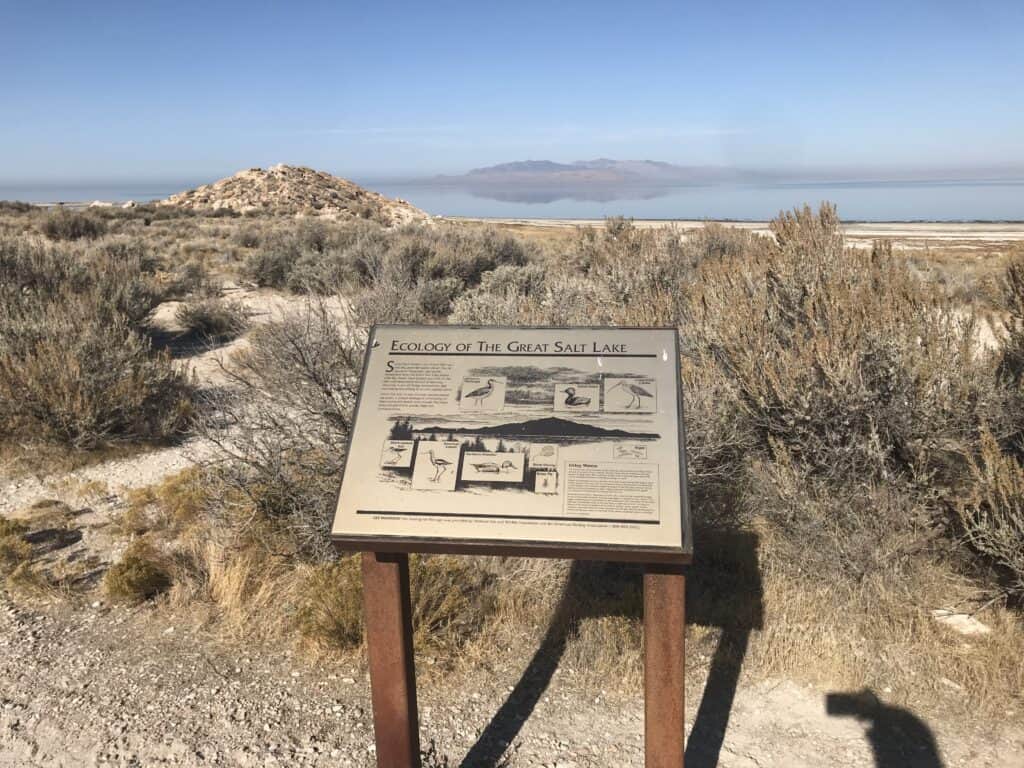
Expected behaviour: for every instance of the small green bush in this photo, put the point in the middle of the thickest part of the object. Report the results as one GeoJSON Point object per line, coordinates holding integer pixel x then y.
{"type": "Point", "coordinates": [435, 296]}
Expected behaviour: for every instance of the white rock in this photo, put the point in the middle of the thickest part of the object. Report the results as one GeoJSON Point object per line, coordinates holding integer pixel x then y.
{"type": "Point", "coordinates": [960, 622]}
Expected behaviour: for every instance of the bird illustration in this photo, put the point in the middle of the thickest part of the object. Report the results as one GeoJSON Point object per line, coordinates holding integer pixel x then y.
{"type": "Point", "coordinates": [397, 450]}
{"type": "Point", "coordinates": [573, 400]}
{"type": "Point", "coordinates": [481, 393]}
{"type": "Point", "coordinates": [637, 452]}
{"type": "Point", "coordinates": [484, 466]}
{"type": "Point", "coordinates": [440, 465]}
{"type": "Point", "coordinates": [507, 466]}
{"type": "Point", "coordinates": [635, 393]}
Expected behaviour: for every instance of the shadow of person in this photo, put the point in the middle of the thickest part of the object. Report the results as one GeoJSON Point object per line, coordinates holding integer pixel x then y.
{"type": "Point", "coordinates": [724, 591]}
{"type": "Point", "coordinates": [591, 589]}
{"type": "Point", "coordinates": [898, 738]}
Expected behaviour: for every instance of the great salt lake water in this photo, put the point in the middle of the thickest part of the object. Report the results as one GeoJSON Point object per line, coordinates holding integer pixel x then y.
{"type": "Point", "coordinates": [879, 201]}
{"type": "Point", "coordinates": [857, 201]}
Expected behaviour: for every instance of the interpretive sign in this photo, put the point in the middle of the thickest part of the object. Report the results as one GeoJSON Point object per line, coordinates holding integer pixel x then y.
{"type": "Point", "coordinates": [537, 441]}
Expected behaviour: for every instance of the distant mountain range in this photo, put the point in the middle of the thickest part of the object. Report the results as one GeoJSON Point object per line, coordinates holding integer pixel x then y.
{"type": "Point", "coordinates": [551, 426]}
{"type": "Point", "coordinates": [600, 171]}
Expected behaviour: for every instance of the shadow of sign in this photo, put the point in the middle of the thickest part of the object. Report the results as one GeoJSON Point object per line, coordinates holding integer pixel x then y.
{"type": "Point", "coordinates": [622, 588]}
{"type": "Point", "coordinates": [724, 591]}
{"type": "Point", "coordinates": [898, 738]}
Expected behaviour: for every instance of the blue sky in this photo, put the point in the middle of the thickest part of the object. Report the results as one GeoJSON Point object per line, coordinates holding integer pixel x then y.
{"type": "Point", "coordinates": [138, 90]}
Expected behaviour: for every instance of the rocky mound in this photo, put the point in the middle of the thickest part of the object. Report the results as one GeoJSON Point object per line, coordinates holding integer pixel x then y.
{"type": "Point", "coordinates": [286, 189]}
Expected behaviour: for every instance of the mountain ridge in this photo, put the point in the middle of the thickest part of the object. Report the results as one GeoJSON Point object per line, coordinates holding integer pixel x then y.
{"type": "Point", "coordinates": [549, 426]}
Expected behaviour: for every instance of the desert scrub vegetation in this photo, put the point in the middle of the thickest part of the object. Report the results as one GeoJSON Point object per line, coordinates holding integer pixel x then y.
{"type": "Point", "coordinates": [62, 224]}
{"type": "Point", "coordinates": [839, 412]}
{"type": "Point", "coordinates": [76, 366]}
{"type": "Point", "coordinates": [214, 319]}
{"type": "Point", "coordinates": [428, 266]}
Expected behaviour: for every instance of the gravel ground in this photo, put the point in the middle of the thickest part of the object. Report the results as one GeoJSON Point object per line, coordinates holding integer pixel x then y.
{"type": "Point", "coordinates": [99, 685]}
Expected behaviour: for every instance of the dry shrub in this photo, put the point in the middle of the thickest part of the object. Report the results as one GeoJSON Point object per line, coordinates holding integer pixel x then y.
{"type": "Point", "coordinates": [62, 224]}
{"type": "Point", "coordinates": [213, 319]}
{"type": "Point", "coordinates": [1011, 365]}
{"type": "Point", "coordinates": [284, 426]}
{"type": "Point", "coordinates": [843, 357]}
{"type": "Point", "coordinates": [75, 367]}
{"type": "Point", "coordinates": [992, 515]}
{"type": "Point", "coordinates": [141, 574]}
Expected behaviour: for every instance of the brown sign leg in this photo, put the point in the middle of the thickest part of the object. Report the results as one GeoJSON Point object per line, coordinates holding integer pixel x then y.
{"type": "Point", "coordinates": [664, 667]}
{"type": "Point", "coordinates": [388, 611]}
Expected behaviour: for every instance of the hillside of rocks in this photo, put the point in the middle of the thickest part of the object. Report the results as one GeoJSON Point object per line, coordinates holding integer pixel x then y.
{"type": "Point", "coordinates": [286, 189]}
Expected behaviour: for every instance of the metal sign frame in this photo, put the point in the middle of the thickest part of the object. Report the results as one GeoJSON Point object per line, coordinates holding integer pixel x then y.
{"type": "Point", "coordinates": [681, 554]}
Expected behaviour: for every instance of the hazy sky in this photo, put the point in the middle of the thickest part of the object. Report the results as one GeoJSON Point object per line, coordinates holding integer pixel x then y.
{"type": "Point", "coordinates": [184, 90]}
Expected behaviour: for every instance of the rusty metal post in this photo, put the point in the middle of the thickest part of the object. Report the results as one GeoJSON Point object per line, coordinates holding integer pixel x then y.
{"type": "Point", "coordinates": [664, 667]}
{"type": "Point", "coordinates": [388, 611]}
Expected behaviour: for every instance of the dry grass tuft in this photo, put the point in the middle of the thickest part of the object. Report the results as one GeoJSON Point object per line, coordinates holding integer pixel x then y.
{"type": "Point", "coordinates": [141, 574]}
{"type": "Point", "coordinates": [14, 550]}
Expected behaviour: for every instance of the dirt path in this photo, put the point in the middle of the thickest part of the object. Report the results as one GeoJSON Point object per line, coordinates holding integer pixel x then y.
{"type": "Point", "coordinates": [130, 687]}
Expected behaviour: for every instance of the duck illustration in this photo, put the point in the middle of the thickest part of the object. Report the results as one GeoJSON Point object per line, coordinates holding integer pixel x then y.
{"type": "Point", "coordinates": [481, 393]}
{"type": "Point", "coordinates": [573, 400]}
{"type": "Point", "coordinates": [485, 466]}
{"type": "Point", "coordinates": [635, 392]}
{"type": "Point", "coordinates": [440, 465]}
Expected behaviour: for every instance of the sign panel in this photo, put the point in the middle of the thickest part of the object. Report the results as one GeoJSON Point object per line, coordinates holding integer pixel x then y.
{"type": "Point", "coordinates": [536, 441]}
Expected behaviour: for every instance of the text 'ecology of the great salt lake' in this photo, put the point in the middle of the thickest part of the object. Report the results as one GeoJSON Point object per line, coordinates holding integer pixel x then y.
{"type": "Point", "coordinates": [518, 437]}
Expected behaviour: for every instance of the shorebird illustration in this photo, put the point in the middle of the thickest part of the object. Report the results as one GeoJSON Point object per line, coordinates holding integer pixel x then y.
{"type": "Point", "coordinates": [635, 393]}
{"type": "Point", "coordinates": [397, 450]}
{"type": "Point", "coordinates": [481, 393]}
{"type": "Point", "coordinates": [440, 465]}
{"type": "Point", "coordinates": [573, 400]}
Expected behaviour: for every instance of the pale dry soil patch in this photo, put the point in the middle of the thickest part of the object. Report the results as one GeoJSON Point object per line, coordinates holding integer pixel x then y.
{"type": "Point", "coordinates": [98, 685]}
{"type": "Point", "coordinates": [103, 484]}
{"type": "Point", "coordinates": [936, 232]}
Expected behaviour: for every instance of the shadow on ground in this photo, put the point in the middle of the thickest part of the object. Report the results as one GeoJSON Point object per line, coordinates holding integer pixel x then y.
{"type": "Point", "coordinates": [724, 590]}
{"type": "Point", "coordinates": [898, 738]}
{"type": "Point", "coordinates": [182, 345]}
